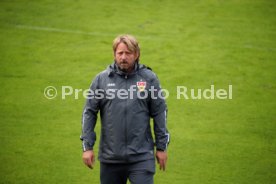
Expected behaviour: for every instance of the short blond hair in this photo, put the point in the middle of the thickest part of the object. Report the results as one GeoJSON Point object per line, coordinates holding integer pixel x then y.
{"type": "Point", "coordinates": [130, 41]}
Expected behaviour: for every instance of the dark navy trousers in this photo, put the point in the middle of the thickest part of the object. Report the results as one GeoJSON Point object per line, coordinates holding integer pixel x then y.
{"type": "Point", "coordinates": [138, 173]}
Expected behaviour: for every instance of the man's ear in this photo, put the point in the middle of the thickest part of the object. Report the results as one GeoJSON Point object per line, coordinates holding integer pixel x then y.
{"type": "Point", "coordinates": [136, 56]}
{"type": "Point", "coordinates": [114, 55]}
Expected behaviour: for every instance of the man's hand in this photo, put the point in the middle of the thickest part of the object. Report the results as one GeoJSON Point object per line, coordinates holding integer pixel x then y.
{"type": "Point", "coordinates": [162, 157]}
{"type": "Point", "coordinates": [88, 158]}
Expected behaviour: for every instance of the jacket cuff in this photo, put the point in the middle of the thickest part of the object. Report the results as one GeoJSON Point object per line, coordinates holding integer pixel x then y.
{"type": "Point", "coordinates": [161, 148]}
{"type": "Point", "coordinates": [158, 149]}
{"type": "Point", "coordinates": [86, 146]}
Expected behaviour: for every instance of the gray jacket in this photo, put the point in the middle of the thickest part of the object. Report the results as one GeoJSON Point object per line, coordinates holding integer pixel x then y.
{"type": "Point", "coordinates": [126, 103]}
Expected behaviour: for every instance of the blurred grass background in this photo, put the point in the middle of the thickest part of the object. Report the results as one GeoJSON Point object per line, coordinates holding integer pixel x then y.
{"type": "Point", "coordinates": [191, 43]}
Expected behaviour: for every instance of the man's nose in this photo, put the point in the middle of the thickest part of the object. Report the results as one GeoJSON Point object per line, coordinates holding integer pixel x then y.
{"type": "Point", "coordinates": [123, 56]}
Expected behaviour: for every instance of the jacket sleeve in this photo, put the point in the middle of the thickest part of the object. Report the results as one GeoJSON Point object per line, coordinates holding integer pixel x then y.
{"type": "Point", "coordinates": [89, 118]}
{"type": "Point", "coordinates": [158, 111]}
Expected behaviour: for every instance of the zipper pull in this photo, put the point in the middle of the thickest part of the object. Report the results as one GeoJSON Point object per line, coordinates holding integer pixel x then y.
{"type": "Point", "coordinates": [125, 76]}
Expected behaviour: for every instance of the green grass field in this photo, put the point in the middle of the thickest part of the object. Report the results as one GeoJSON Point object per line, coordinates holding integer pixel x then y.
{"type": "Point", "coordinates": [192, 43]}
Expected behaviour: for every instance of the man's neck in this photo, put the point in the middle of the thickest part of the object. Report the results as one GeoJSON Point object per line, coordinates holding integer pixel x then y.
{"type": "Point", "coordinates": [131, 70]}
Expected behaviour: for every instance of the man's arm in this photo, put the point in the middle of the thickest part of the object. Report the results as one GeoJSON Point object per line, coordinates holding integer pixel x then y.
{"type": "Point", "coordinates": [162, 139]}
{"type": "Point", "coordinates": [89, 119]}
{"type": "Point", "coordinates": [158, 109]}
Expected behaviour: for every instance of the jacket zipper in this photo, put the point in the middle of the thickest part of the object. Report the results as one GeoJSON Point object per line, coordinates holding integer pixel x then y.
{"type": "Point", "coordinates": [126, 77]}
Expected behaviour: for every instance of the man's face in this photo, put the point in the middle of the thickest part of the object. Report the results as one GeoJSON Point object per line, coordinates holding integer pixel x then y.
{"type": "Point", "coordinates": [124, 58]}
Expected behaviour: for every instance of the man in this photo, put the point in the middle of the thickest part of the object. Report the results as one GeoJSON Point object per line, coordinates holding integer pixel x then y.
{"type": "Point", "coordinates": [127, 94]}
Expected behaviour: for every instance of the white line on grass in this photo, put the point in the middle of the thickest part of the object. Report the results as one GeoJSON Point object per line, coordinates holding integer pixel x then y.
{"type": "Point", "coordinates": [151, 37]}
{"type": "Point", "coordinates": [51, 29]}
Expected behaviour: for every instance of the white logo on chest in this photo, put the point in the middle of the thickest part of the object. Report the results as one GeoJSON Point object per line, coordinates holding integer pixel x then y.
{"type": "Point", "coordinates": [110, 84]}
